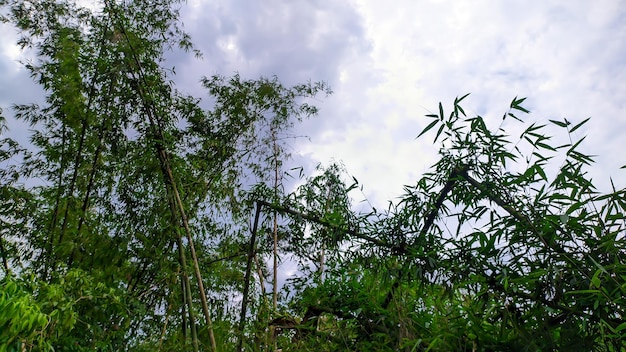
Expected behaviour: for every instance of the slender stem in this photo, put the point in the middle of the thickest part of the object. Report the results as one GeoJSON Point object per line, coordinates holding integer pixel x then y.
{"type": "Point", "coordinates": [186, 287]}
{"type": "Point", "coordinates": [246, 284]}
{"type": "Point", "coordinates": [275, 281]}
{"type": "Point", "coordinates": [49, 262]}
{"type": "Point", "coordinates": [187, 295]}
{"type": "Point", "coordinates": [275, 232]}
{"type": "Point", "coordinates": [157, 131]}
{"type": "Point", "coordinates": [194, 257]}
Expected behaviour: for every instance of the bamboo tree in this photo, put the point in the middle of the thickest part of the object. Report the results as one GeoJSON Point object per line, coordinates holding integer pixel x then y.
{"type": "Point", "coordinates": [74, 117]}
{"type": "Point", "coordinates": [171, 183]}
{"type": "Point", "coordinates": [132, 191]}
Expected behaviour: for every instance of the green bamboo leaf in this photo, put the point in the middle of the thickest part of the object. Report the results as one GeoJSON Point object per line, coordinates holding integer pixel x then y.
{"type": "Point", "coordinates": [559, 123]}
{"type": "Point", "coordinates": [516, 104]}
{"type": "Point", "coordinates": [439, 131]}
{"type": "Point", "coordinates": [574, 207]}
{"type": "Point", "coordinates": [576, 145]}
{"type": "Point", "coordinates": [541, 172]}
{"type": "Point", "coordinates": [600, 267]}
{"type": "Point", "coordinates": [546, 146]}
{"type": "Point", "coordinates": [620, 327]}
{"type": "Point", "coordinates": [441, 112]}
{"type": "Point", "coordinates": [458, 100]}
{"type": "Point", "coordinates": [430, 125]}
{"type": "Point", "coordinates": [595, 280]}
{"type": "Point", "coordinates": [579, 125]}
{"type": "Point", "coordinates": [461, 110]}
{"type": "Point", "coordinates": [513, 116]}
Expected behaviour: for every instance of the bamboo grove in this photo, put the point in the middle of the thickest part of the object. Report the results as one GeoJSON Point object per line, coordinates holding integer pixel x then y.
{"type": "Point", "coordinates": [137, 219]}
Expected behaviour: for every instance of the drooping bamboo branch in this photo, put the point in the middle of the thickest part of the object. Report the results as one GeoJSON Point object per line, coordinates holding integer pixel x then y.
{"type": "Point", "coordinates": [449, 185]}
{"type": "Point", "coordinates": [523, 219]}
{"type": "Point", "coordinates": [318, 220]}
{"type": "Point", "coordinates": [429, 221]}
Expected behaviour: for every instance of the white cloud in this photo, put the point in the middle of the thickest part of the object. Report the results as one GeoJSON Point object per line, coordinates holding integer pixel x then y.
{"type": "Point", "coordinates": [556, 53]}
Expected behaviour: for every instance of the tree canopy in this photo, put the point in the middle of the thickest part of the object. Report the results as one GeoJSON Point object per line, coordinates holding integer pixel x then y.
{"type": "Point", "coordinates": [137, 220]}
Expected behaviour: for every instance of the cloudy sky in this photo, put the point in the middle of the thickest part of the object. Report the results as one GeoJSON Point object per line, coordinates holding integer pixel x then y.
{"type": "Point", "coordinates": [390, 62]}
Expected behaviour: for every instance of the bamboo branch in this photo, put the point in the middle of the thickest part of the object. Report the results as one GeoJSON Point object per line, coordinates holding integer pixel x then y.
{"type": "Point", "coordinates": [452, 179]}
{"type": "Point", "coordinates": [317, 220]}
{"type": "Point", "coordinates": [522, 218]}
{"type": "Point", "coordinates": [428, 223]}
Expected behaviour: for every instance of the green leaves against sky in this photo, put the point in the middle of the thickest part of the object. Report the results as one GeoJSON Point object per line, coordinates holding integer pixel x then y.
{"type": "Point", "coordinates": [127, 223]}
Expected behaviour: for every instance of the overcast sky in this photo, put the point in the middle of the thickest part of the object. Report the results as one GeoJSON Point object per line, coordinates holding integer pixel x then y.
{"type": "Point", "coordinates": [390, 62]}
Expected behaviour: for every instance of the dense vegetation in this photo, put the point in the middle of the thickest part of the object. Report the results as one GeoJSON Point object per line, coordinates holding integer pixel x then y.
{"type": "Point", "coordinates": [136, 220]}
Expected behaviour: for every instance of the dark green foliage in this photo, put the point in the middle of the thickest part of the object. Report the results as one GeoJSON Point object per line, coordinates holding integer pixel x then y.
{"type": "Point", "coordinates": [492, 250]}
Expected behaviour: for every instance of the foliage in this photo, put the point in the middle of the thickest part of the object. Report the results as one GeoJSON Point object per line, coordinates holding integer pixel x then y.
{"type": "Point", "coordinates": [489, 251]}
{"type": "Point", "coordinates": [137, 190]}
{"type": "Point", "coordinates": [126, 224]}
{"type": "Point", "coordinates": [21, 319]}
{"type": "Point", "coordinates": [41, 316]}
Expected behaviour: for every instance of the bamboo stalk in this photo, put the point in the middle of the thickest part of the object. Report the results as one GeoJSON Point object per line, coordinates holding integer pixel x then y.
{"type": "Point", "coordinates": [167, 171]}
{"type": "Point", "coordinates": [246, 285]}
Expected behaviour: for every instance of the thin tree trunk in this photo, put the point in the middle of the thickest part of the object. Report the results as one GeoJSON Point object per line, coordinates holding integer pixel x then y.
{"type": "Point", "coordinates": [323, 249]}
{"type": "Point", "coordinates": [70, 193]}
{"type": "Point", "coordinates": [167, 170]}
{"type": "Point", "coordinates": [275, 286]}
{"type": "Point", "coordinates": [90, 183]}
{"type": "Point", "coordinates": [275, 281]}
{"type": "Point", "coordinates": [260, 273]}
{"type": "Point", "coordinates": [246, 283]}
{"type": "Point", "coordinates": [186, 287]}
{"type": "Point", "coordinates": [322, 261]}
{"type": "Point", "coordinates": [187, 295]}
{"type": "Point", "coordinates": [183, 308]}
{"type": "Point", "coordinates": [264, 298]}
{"type": "Point", "coordinates": [102, 132]}
{"type": "Point", "coordinates": [192, 249]}
{"type": "Point", "coordinates": [49, 261]}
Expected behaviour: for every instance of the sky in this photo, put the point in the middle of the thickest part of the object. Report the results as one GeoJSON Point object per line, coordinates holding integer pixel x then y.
{"type": "Point", "coordinates": [391, 62]}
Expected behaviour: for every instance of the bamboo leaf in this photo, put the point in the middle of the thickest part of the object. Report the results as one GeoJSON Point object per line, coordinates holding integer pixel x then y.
{"type": "Point", "coordinates": [441, 117]}
{"type": "Point", "coordinates": [430, 125]}
{"type": "Point", "coordinates": [579, 125]}
{"type": "Point", "coordinates": [558, 123]}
